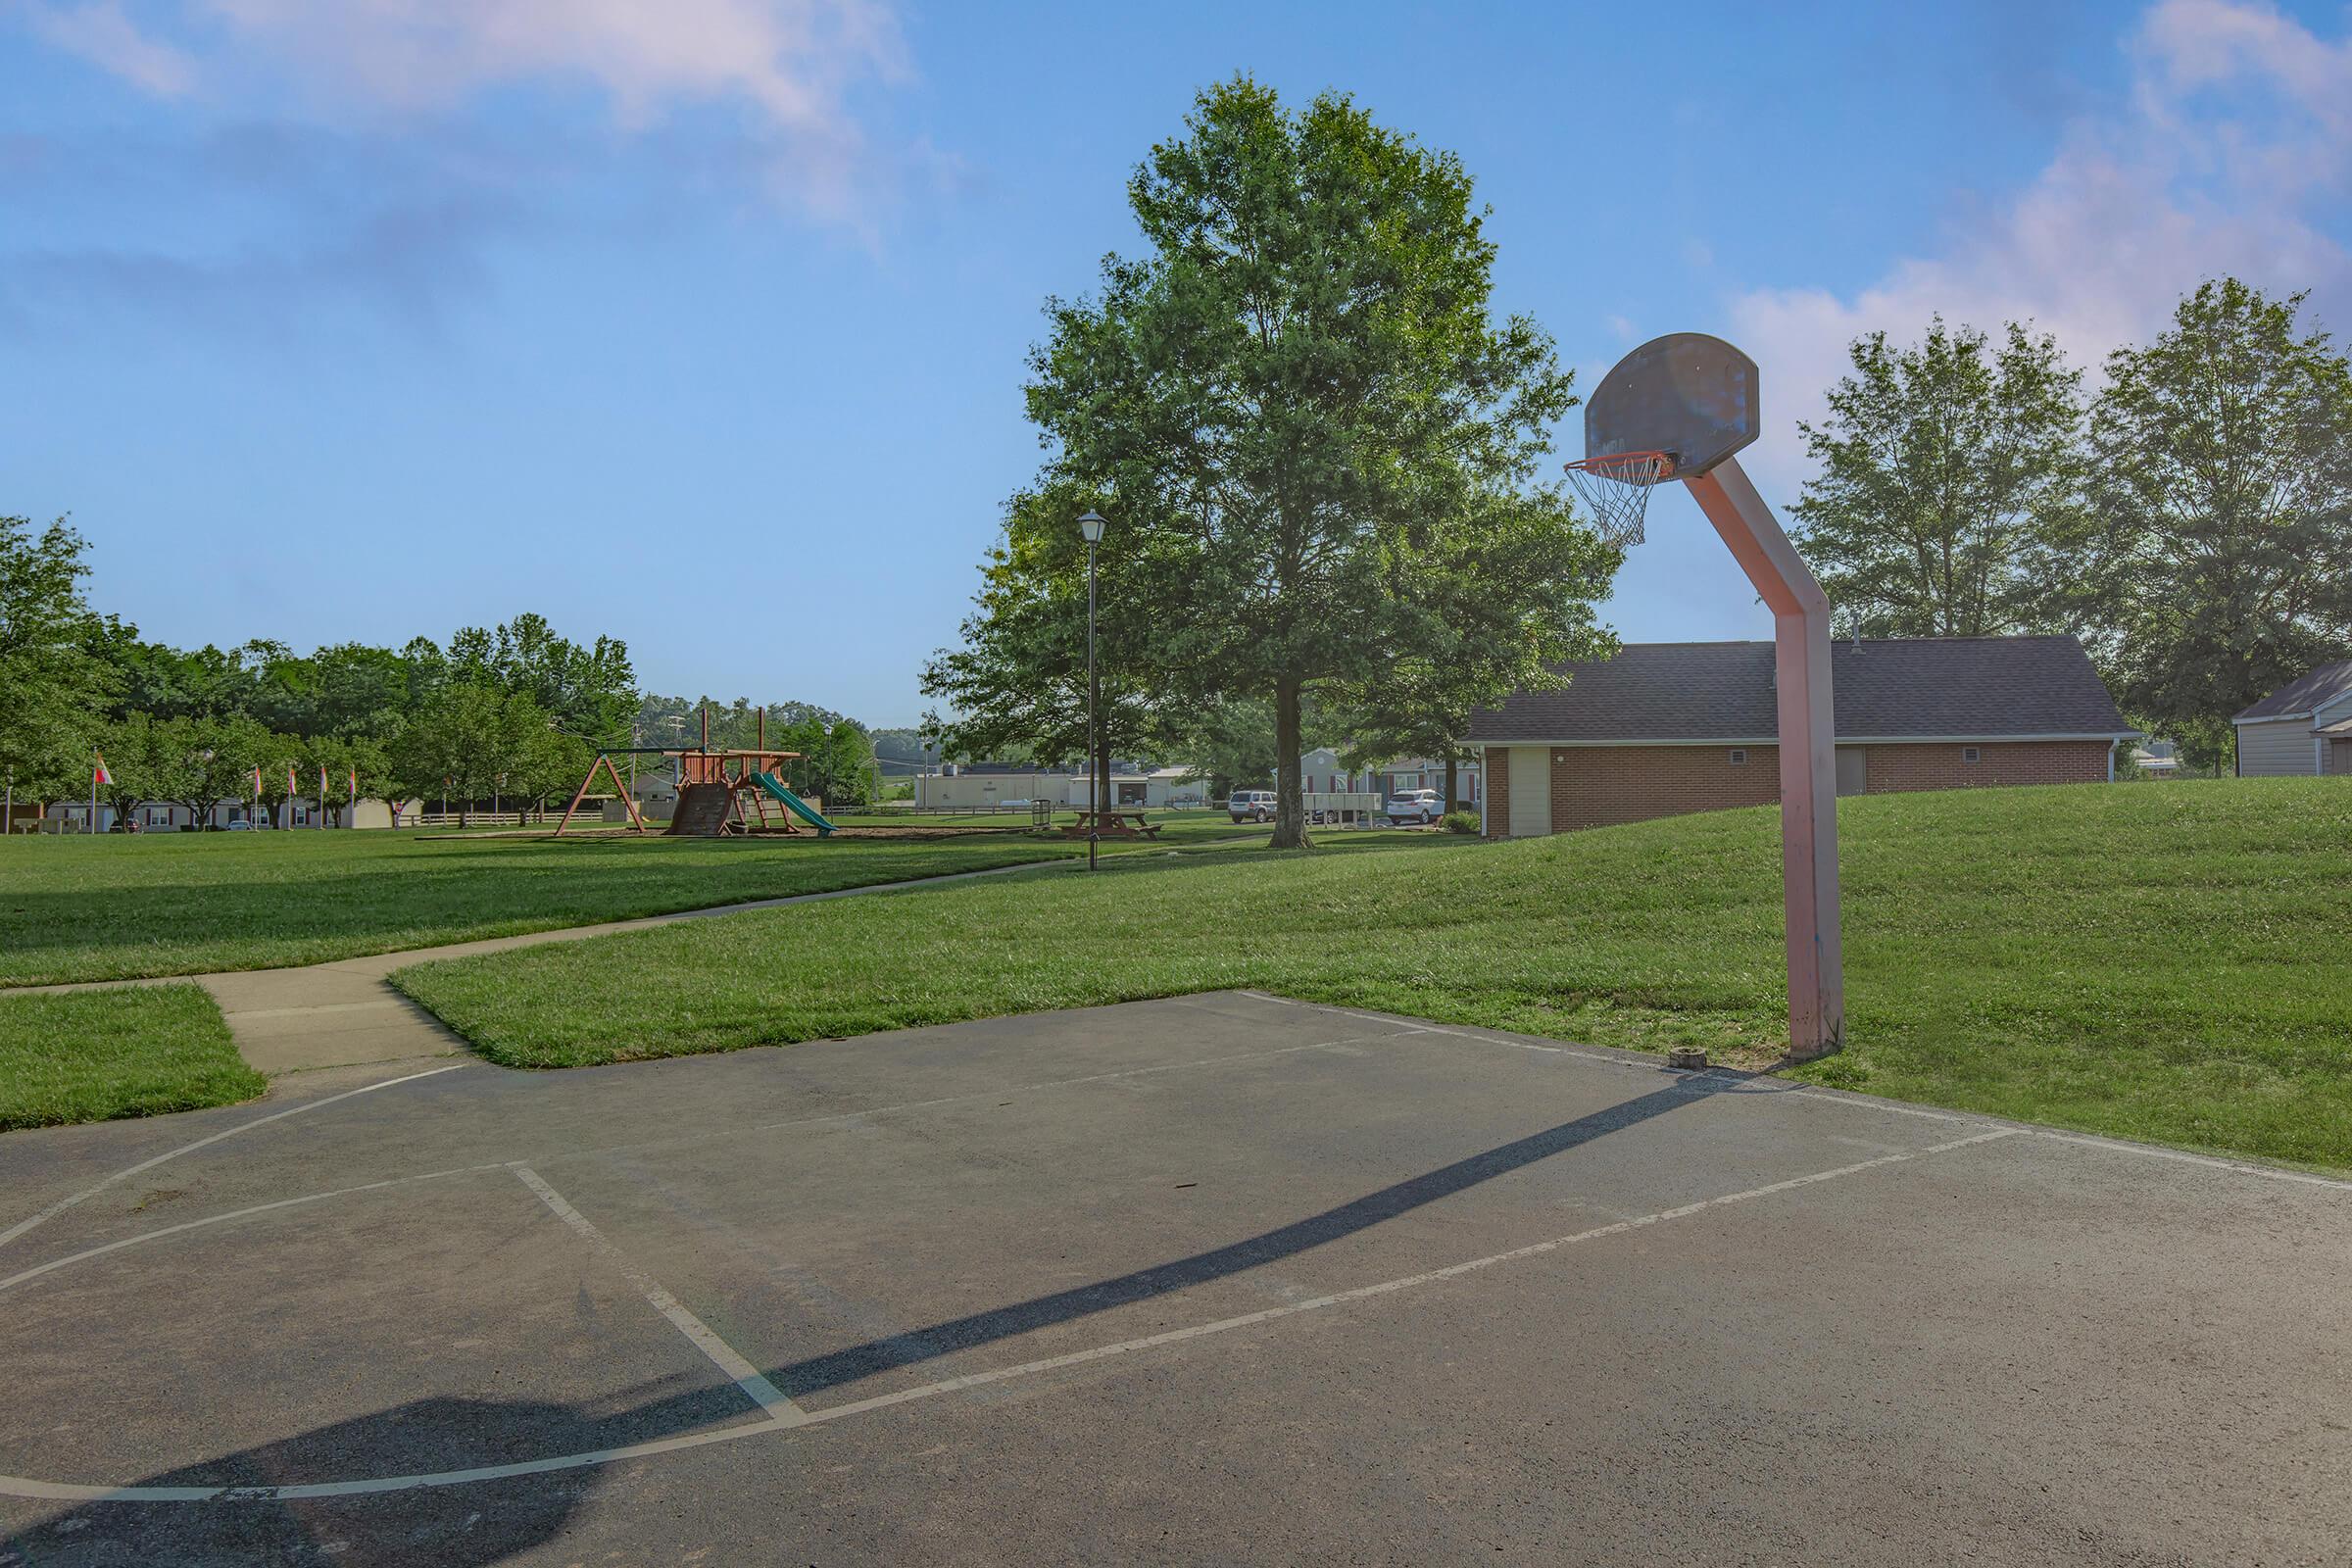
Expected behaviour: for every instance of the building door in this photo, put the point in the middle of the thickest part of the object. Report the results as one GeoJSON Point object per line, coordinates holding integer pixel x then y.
{"type": "Point", "coordinates": [1853, 770]}
{"type": "Point", "coordinates": [1531, 791]}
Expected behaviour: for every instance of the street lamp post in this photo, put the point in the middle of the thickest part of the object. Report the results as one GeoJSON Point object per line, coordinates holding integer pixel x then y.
{"type": "Point", "coordinates": [1090, 526]}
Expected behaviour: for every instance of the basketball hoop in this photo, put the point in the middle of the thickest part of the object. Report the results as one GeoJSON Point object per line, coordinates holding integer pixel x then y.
{"type": "Point", "coordinates": [1617, 488]}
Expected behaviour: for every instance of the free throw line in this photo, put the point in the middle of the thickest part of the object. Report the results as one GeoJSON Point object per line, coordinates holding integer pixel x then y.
{"type": "Point", "coordinates": [765, 1394]}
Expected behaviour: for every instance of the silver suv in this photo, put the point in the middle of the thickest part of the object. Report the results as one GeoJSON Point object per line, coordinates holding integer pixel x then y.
{"type": "Point", "coordinates": [1251, 806]}
{"type": "Point", "coordinates": [1424, 807]}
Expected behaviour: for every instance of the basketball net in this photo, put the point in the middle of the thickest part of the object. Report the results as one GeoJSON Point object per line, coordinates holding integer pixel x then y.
{"type": "Point", "coordinates": [1617, 488]}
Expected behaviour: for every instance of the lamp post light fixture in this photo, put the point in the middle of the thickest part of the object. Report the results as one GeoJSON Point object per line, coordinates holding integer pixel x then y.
{"type": "Point", "coordinates": [1090, 526]}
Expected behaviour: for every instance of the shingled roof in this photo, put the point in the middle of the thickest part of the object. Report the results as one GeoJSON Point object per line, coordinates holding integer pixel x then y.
{"type": "Point", "coordinates": [2309, 695]}
{"type": "Point", "coordinates": [1943, 688]}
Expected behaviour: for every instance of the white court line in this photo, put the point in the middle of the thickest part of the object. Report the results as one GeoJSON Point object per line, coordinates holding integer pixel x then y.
{"type": "Point", "coordinates": [54, 1210]}
{"type": "Point", "coordinates": [2243, 1167]}
{"type": "Point", "coordinates": [68, 1491]}
{"type": "Point", "coordinates": [1841, 1098]}
{"type": "Point", "coordinates": [762, 1392]}
{"type": "Point", "coordinates": [13, 1280]}
{"type": "Point", "coordinates": [144, 1237]}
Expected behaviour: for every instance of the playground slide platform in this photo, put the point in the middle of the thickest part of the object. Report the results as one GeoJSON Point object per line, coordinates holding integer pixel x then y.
{"type": "Point", "coordinates": [774, 787]}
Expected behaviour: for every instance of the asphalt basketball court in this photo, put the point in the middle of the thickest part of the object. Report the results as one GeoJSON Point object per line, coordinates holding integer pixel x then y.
{"type": "Point", "coordinates": [1212, 1279]}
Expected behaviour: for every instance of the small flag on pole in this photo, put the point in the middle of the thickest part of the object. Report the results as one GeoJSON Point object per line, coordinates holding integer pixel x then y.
{"type": "Point", "coordinates": [355, 786]}
{"type": "Point", "coordinates": [256, 783]}
{"type": "Point", "coordinates": [100, 775]}
{"type": "Point", "coordinates": [291, 786]}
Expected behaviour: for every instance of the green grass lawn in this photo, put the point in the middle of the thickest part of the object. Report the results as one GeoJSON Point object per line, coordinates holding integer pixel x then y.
{"type": "Point", "coordinates": [130, 1051]}
{"type": "Point", "coordinates": [126, 906]}
{"type": "Point", "coordinates": [2152, 961]}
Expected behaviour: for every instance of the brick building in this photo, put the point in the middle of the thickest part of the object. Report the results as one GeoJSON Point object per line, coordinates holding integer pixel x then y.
{"type": "Point", "coordinates": [1665, 728]}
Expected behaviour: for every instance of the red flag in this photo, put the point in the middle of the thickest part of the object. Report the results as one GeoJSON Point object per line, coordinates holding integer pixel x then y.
{"type": "Point", "coordinates": [321, 783]}
{"type": "Point", "coordinates": [256, 783]}
{"type": "Point", "coordinates": [355, 786]}
{"type": "Point", "coordinates": [100, 775]}
{"type": "Point", "coordinates": [291, 786]}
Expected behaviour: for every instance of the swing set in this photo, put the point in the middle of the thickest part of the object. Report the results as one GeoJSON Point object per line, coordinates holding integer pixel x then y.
{"type": "Point", "coordinates": [721, 792]}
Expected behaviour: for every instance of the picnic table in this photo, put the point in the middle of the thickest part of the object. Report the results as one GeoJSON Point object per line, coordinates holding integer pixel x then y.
{"type": "Point", "coordinates": [1112, 824]}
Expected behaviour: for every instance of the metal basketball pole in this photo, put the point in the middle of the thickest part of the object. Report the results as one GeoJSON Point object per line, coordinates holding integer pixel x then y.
{"type": "Point", "coordinates": [1808, 748]}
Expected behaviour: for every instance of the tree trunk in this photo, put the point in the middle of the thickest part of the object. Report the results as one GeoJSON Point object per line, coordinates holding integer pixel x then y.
{"type": "Point", "coordinates": [1290, 801]}
{"type": "Point", "coordinates": [1453, 770]}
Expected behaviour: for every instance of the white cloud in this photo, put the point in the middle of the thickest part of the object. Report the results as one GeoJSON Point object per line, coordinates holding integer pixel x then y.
{"type": "Point", "coordinates": [789, 63]}
{"type": "Point", "coordinates": [2232, 147]}
{"type": "Point", "coordinates": [790, 58]}
{"type": "Point", "coordinates": [102, 34]}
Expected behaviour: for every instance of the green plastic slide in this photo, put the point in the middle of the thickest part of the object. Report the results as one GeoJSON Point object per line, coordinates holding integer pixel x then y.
{"type": "Point", "coordinates": [772, 785]}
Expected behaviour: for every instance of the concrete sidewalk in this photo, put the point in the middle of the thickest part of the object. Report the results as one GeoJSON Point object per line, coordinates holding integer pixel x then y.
{"type": "Point", "coordinates": [344, 1014]}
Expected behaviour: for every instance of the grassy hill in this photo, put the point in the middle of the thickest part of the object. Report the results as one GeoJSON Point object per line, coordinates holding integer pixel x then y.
{"type": "Point", "coordinates": [2151, 960]}
{"type": "Point", "coordinates": [120, 906]}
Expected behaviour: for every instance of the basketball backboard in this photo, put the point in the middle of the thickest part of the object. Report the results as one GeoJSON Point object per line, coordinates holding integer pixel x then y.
{"type": "Point", "coordinates": [1687, 394]}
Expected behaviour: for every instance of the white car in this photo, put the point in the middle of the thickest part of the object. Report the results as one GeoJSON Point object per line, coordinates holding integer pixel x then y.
{"type": "Point", "coordinates": [1422, 806]}
{"type": "Point", "coordinates": [1251, 806]}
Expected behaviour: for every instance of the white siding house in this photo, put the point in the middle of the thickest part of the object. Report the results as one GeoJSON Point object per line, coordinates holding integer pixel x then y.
{"type": "Point", "coordinates": [998, 786]}
{"type": "Point", "coordinates": [1320, 773]}
{"type": "Point", "coordinates": [2303, 728]}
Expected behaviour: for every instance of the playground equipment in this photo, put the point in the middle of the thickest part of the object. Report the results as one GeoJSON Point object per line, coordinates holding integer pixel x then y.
{"type": "Point", "coordinates": [1678, 408]}
{"type": "Point", "coordinates": [720, 792]}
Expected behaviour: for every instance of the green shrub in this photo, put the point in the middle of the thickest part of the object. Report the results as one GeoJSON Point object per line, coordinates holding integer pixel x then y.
{"type": "Point", "coordinates": [1459, 822]}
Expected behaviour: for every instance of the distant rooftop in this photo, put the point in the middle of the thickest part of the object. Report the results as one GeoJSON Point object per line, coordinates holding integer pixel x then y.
{"type": "Point", "coordinates": [1884, 688]}
{"type": "Point", "coordinates": [2308, 694]}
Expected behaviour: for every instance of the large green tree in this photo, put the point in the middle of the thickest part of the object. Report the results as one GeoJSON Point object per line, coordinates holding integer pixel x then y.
{"type": "Point", "coordinates": [2221, 462]}
{"type": "Point", "coordinates": [590, 690]}
{"type": "Point", "coordinates": [1299, 406]}
{"type": "Point", "coordinates": [202, 764]}
{"type": "Point", "coordinates": [467, 737]}
{"type": "Point", "coordinates": [1418, 704]}
{"type": "Point", "coordinates": [345, 689]}
{"type": "Point", "coordinates": [346, 759]}
{"type": "Point", "coordinates": [1948, 485]}
{"type": "Point", "coordinates": [1016, 688]}
{"type": "Point", "coordinates": [836, 764]}
{"type": "Point", "coordinates": [165, 682]}
{"type": "Point", "coordinates": [51, 688]}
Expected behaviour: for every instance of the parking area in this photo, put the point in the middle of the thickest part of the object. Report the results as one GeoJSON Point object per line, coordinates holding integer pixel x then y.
{"type": "Point", "coordinates": [1214, 1279]}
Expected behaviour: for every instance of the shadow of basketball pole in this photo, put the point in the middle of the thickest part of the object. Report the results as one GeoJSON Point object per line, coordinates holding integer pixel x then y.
{"type": "Point", "coordinates": [1359, 1214]}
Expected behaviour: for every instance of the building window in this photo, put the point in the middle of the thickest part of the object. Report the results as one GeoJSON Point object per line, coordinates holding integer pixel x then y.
{"type": "Point", "coordinates": [1738, 756]}
{"type": "Point", "coordinates": [1970, 754]}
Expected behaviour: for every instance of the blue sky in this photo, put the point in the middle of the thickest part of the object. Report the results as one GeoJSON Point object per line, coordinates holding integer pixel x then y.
{"type": "Point", "coordinates": [702, 323]}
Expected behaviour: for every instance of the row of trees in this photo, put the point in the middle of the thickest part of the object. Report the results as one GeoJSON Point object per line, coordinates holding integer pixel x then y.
{"type": "Point", "coordinates": [2190, 519]}
{"type": "Point", "coordinates": [463, 744]}
{"type": "Point", "coordinates": [1318, 451]}
{"type": "Point", "coordinates": [513, 711]}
